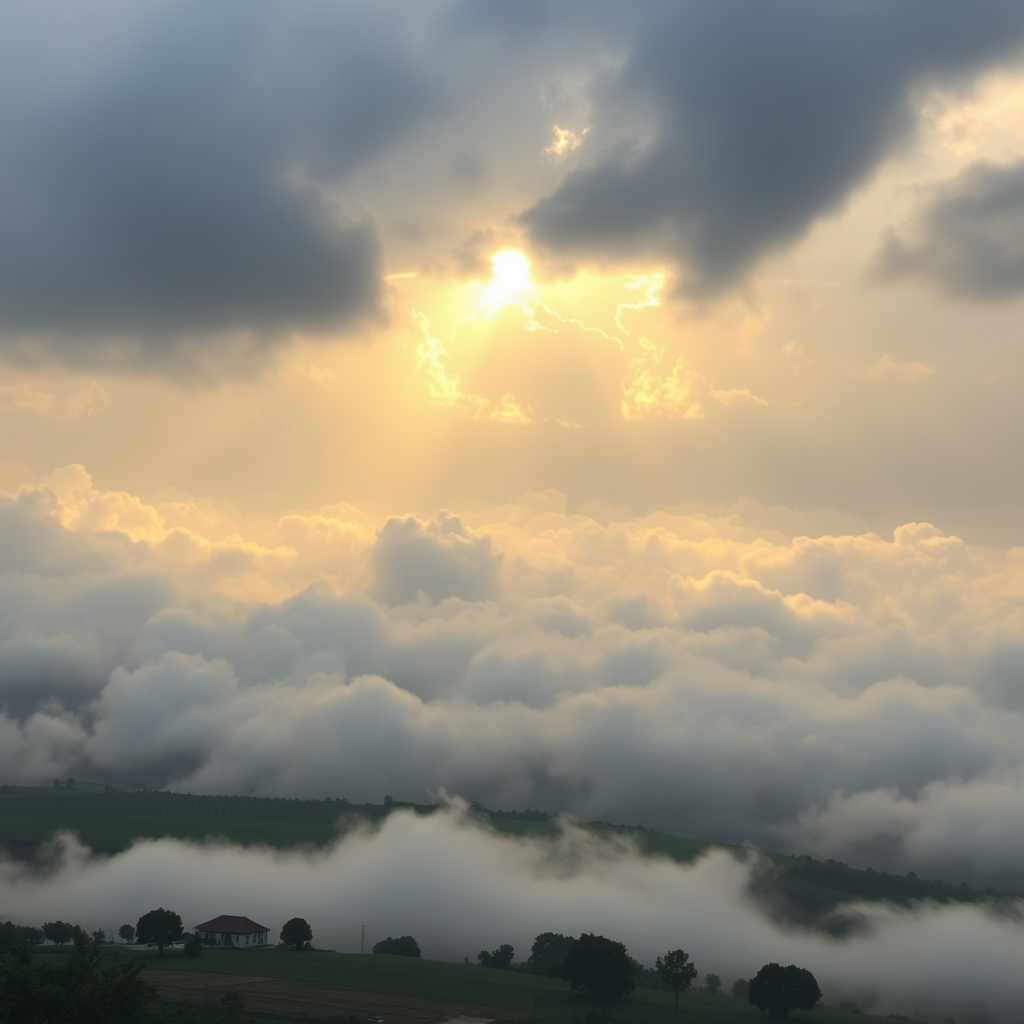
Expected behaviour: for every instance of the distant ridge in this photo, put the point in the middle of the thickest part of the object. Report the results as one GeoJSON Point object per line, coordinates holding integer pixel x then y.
{"type": "Point", "coordinates": [800, 889]}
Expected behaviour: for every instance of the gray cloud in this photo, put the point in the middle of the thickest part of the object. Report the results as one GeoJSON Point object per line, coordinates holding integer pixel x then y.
{"type": "Point", "coordinates": [440, 561]}
{"type": "Point", "coordinates": [967, 240]}
{"type": "Point", "coordinates": [755, 126]}
{"type": "Point", "coordinates": [458, 888]}
{"type": "Point", "coordinates": [176, 185]}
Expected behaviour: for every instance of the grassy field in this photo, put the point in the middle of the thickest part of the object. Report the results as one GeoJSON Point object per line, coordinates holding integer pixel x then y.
{"type": "Point", "coordinates": [538, 997]}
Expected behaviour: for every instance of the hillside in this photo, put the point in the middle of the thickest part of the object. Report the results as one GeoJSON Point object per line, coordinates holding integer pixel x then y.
{"type": "Point", "coordinates": [107, 819]}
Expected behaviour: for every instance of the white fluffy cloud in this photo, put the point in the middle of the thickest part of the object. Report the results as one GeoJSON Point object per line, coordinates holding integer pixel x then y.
{"type": "Point", "coordinates": [850, 696]}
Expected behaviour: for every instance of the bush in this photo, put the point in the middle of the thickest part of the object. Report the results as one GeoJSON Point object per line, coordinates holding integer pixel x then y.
{"type": "Point", "coordinates": [193, 947]}
{"type": "Point", "coordinates": [404, 945]}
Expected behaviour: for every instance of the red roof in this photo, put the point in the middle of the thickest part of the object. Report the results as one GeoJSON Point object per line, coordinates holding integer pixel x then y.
{"type": "Point", "coordinates": [232, 925]}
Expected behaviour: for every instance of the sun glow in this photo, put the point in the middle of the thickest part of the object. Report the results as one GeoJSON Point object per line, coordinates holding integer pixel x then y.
{"type": "Point", "coordinates": [510, 277]}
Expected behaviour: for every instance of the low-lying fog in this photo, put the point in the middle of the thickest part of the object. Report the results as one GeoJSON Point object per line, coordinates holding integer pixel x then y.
{"type": "Point", "coordinates": [458, 888]}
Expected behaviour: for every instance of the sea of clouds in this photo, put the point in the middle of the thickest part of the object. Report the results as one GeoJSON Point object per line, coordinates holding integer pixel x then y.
{"type": "Point", "coordinates": [857, 697]}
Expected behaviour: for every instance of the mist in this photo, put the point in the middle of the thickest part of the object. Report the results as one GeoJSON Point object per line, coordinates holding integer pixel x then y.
{"type": "Point", "coordinates": [459, 887]}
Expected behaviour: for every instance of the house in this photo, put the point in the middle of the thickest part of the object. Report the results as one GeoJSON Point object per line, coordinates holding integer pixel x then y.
{"type": "Point", "coordinates": [238, 932]}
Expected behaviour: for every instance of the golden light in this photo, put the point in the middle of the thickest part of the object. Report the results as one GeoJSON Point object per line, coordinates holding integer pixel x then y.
{"type": "Point", "coordinates": [510, 277]}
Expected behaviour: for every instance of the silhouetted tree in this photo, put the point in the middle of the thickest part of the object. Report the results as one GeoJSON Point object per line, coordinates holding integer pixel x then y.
{"type": "Point", "coordinates": [600, 965]}
{"type": "Point", "coordinates": [161, 927]}
{"type": "Point", "coordinates": [676, 970]}
{"type": "Point", "coordinates": [404, 945]}
{"type": "Point", "coordinates": [741, 988]}
{"type": "Point", "coordinates": [712, 984]}
{"type": "Point", "coordinates": [59, 931]}
{"type": "Point", "coordinates": [781, 989]}
{"type": "Point", "coordinates": [500, 958]}
{"type": "Point", "coordinates": [88, 987]}
{"type": "Point", "coordinates": [296, 932]}
{"type": "Point", "coordinates": [127, 932]}
{"type": "Point", "coordinates": [15, 937]}
{"type": "Point", "coordinates": [548, 950]}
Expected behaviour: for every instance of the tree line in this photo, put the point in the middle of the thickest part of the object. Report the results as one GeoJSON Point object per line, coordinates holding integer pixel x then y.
{"type": "Point", "coordinates": [604, 968]}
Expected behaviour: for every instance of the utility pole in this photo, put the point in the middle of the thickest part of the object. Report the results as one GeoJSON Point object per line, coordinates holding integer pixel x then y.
{"type": "Point", "coordinates": [362, 937]}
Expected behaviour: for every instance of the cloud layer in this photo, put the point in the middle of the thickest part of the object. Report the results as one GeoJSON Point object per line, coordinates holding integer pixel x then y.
{"type": "Point", "coordinates": [848, 696]}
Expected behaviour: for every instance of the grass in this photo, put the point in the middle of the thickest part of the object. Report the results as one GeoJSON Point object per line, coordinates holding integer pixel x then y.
{"type": "Point", "coordinates": [537, 996]}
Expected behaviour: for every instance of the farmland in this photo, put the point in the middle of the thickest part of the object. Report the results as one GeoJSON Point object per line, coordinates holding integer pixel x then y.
{"type": "Point", "coordinates": [514, 993]}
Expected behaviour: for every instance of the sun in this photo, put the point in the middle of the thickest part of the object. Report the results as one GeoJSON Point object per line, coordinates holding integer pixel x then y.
{"type": "Point", "coordinates": [510, 277]}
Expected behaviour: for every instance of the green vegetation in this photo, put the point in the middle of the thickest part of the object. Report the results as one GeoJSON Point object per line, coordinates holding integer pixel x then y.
{"type": "Point", "coordinates": [537, 995]}
{"type": "Point", "coordinates": [296, 932]}
{"type": "Point", "coordinates": [404, 945]}
{"type": "Point", "coordinates": [160, 927]}
{"type": "Point", "coordinates": [85, 987]}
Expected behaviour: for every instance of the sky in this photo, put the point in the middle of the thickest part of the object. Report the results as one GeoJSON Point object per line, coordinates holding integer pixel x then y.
{"type": "Point", "coordinates": [602, 409]}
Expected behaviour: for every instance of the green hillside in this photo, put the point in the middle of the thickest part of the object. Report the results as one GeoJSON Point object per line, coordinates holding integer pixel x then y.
{"type": "Point", "coordinates": [798, 888]}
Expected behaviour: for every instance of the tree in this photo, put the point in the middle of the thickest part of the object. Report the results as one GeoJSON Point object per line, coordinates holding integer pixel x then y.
{"type": "Point", "coordinates": [676, 970]}
{"type": "Point", "coordinates": [15, 937]}
{"type": "Point", "coordinates": [99, 935]}
{"type": "Point", "coordinates": [500, 958]}
{"type": "Point", "coordinates": [59, 932]}
{"type": "Point", "coordinates": [296, 932]}
{"type": "Point", "coordinates": [741, 988]}
{"type": "Point", "coordinates": [548, 951]}
{"type": "Point", "coordinates": [127, 932]}
{"type": "Point", "coordinates": [781, 989]}
{"type": "Point", "coordinates": [160, 927]}
{"type": "Point", "coordinates": [404, 945]}
{"type": "Point", "coordinates": [712, 984]}
{"type": "Point", "coordinates": [600, 965]}
{"type": "Point", "coordinates": [88, 987]}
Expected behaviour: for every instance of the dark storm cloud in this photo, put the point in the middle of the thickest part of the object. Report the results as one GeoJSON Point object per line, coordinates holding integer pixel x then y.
{"type": "Point", "coordinates": [969, 238]}
{"type": "Point", "coordinates": [173, 185]}
{"type": "Point", "coordinates": [764, 117]}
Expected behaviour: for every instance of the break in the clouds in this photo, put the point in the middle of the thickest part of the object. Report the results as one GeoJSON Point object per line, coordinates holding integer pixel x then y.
{"type": "Point", "coordinates": [459, 888]}
{"type": "Point", "coordinates": [967, 239]}
{"type": "Point", "coordinates": [851, 696]}
{"type": "Point", "coordinates": [180, 179]}
{"type": "Point", "coordinates": [726, 135]}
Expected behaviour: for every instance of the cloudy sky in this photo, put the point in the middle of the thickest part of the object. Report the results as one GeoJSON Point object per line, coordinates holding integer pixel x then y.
{"type": "Point", "coordinates": [597, 408]}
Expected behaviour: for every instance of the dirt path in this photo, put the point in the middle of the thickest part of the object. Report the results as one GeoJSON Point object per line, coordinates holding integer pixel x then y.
{"type": "Point", "coordinates": [318, 1001]}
